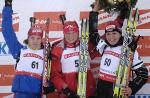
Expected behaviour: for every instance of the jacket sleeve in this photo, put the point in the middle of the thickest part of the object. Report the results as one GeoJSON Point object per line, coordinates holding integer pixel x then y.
{"type": "Point", "coordinates": [93, 31]}
{"type": "Point", "coordinates": [140, 80]}
{"type": "Point", "coordinates": [141, 74]}
{"type": "Point", "coordinates": [93, 51]}
{"type": "Point", "coordinates": [56, 71]}
{"type": "Point", "coordinates": [8, 32]}
{"type": "Point", "coordinates": [124, 14]}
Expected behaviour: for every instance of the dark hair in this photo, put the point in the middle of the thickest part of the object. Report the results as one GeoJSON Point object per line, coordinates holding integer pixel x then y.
{"type": "Point", "coordinates": [26, 42]}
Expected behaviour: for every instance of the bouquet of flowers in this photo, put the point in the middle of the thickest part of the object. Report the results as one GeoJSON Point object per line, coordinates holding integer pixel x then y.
{"type": "Point", "coordinates": [116, 5]}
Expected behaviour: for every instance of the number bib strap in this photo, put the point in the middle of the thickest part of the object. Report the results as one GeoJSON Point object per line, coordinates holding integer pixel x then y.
{"type": "Point", "coordinates": [29, 74]}
{"type": "Point", "coordinates": [107, 77]}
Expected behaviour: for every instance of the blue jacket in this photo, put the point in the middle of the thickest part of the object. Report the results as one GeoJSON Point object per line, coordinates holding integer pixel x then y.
{"type": "Point", "coordinates": [9, 34]}
{"type": "Point", "coordinates": [21, 83]}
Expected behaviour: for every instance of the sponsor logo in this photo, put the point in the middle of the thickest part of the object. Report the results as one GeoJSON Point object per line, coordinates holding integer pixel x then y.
{"type": "Point", "coordinates": [71, 55]}
{"type": "Point", "coordinates": [55, 22]}
{"type": "Point", "coordinates": [55, 26]}
{"type": "Point", "coordinates": [4, 51]}
{"type": "Point", "coordinates": [103, 18]}
{"type": "Point", "coordinates": [144, 21]}
{"type": "Point", "coordinates": [144, 46]}
{"type": "Point", "coordinates": [6, 74]}
{"type": "Point", "coordinates": [15, 18]}
{"type": "Point", "coordinates": [32, 55]}
{"type": "Point", "coordinates": [110, 27]}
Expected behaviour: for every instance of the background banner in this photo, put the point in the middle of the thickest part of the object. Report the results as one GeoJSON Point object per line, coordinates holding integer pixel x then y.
{"type": "Point", "coordinates": [74, 10]}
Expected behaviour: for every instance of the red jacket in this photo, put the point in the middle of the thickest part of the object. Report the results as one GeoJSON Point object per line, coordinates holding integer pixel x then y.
{"type": "Point", "coordinates": [60, 78]}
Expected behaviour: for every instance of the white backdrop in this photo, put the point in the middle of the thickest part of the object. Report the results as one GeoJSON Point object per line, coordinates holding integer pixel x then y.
{"type": "Point", "coordinates": [73, 9]}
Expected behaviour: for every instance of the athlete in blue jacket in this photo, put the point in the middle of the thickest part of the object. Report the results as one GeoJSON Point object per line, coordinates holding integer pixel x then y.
{"type": "Point", "coordinates": [27, 82]}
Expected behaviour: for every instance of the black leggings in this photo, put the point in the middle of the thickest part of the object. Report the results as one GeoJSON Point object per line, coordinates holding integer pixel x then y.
{"type": "Point", "coordinates": [104, 89]}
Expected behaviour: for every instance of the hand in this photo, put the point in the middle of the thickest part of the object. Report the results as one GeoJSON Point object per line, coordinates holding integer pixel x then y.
{"type": "Point", "coordinates": [101, 46]}
{"type": "Point", "coordinates": [8, 3]}
{"type": "Point", "coordinates": [69, 93]}
{"type": "Point", "coordinates": [94, 38]}
{"type": "Point", "coordinates": [133, 44]}
{"type": "Point", "coordinates": [127, 91]}
{"type": "Point", "coordinates": [49, 89]}
{"type": "Point", "coordinates": [95, 6]}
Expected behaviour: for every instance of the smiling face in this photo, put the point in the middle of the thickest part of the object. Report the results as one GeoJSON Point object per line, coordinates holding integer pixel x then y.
{"type": "Point", "coordinates": [113, 37]}
{"type": "Point", "coordinates": [71, 32]}
{"type": "Point", "coordinates": [71, 37]}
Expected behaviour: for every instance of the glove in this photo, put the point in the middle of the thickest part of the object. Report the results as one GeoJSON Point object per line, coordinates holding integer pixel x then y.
{"type": "Point", "coordinates": [8, 3]}
{"type": "Point", "coordinates": [140, 79]}
{"type": "Point", "coordinates": [69, 93]}
{"type": "Point", "coordinates": [124, 13]}
{"type": "Point", "coordinates": [94, 38]}
{"type": "Point", "coordinates": [133, 44]}
{"type": "Point", "coordinates": [101, 46]}
{"type": "Point", "coordinates": [49, 89]}
{"type": "Point", "coordinates": [93, 22]}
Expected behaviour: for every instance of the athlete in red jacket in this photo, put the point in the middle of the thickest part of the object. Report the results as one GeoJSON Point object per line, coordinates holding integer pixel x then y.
{"type": "Point", "coordinates": [64, 73]}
